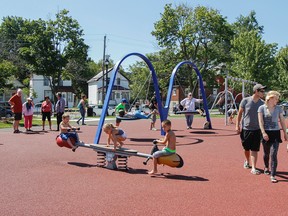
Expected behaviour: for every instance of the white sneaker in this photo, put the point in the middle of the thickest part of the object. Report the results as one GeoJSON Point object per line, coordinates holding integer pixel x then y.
{"type": "Point", "coordinates": [154, 129]}
{"type": "Point", "coordinates": [246, 165]}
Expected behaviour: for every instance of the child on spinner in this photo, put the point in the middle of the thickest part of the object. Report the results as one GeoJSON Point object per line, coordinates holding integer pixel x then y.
{"type": "Point", "coordinates": [65, 133]}
{"type": "Point", "coordinates": [169, 141]}
{"type": "Point", "coordinates": [115, 134]}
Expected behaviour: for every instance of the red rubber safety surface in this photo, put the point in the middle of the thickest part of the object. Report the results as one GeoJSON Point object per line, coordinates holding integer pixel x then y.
{"type": "Point", "coordinates": [40, 178]}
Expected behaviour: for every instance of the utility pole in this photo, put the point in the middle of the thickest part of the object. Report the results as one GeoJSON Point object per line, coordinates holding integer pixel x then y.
{"type": "Point", "coordinates": [103, 69]}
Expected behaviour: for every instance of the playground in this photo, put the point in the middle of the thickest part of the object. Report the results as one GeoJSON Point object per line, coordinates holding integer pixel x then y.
{"type": "Point", "coordinates": [39, 178]}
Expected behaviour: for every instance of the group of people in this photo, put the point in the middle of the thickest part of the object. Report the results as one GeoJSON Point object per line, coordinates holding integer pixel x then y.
{"type": "Point", "coordinates": [27, 110]}
{"type": "Point", "coordinates": [118, 136]}
{"type": "Point", "coordinates": [121, 110]}
{"type": "Point", "coordinates": [257, 122]}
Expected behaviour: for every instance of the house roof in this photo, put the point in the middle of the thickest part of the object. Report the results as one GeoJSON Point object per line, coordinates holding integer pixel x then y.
{"type": "Point", "coordinates": [116, 87]}
{"type": "Point", "coordinates": [65, 89]}
{"type": "Point", "coordinates": [100, 75]}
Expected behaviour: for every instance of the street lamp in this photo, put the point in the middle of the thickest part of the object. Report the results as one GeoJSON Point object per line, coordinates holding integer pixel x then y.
{"type": "Point", "coordinates": [106, 76]}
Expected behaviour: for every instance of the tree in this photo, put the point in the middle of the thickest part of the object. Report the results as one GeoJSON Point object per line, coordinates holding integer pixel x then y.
{"type": "Point", "coordinates": [200, 34]}
{"type": "Point", "coordinates": [11, 29]}
{"type": "Point", "coordinates": [253, 59]}
{"type": "Point", "coordinates": [6, 72]}
{"type": "Point", "coordinates": [281, 78]}
{"type": "Point", "coordinates": [53, 48]}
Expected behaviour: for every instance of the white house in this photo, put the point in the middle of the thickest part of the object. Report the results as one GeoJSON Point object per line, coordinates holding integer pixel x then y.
{"type": "Point", "coordinates": [40, 85]}
{"type": "Point", "coordinates": [120, 88]}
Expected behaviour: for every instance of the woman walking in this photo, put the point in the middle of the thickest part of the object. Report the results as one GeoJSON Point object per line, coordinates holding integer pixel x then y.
{"type": "Point", "coordinates": [82, 110]}
{"type": "Point", "coordinates": [268, 115]}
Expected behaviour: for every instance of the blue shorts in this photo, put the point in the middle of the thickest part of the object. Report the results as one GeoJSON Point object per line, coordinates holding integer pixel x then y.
{"type": "Point", "coordinates": [66, 136]}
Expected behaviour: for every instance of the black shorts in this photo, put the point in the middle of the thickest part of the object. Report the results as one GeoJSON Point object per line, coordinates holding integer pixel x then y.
{"type": "Point", "coordinates": [251, 139]}
{"type": "Point", "coordinates": [118, 120]}
{"type": "Point", "coordinates": [46, 115]}
{"type": "Point", "coordinates": [17, 116]}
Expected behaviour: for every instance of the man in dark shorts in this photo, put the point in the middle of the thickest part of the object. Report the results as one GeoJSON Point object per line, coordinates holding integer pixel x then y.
{"type": "Point", "coordinates": [250, 134]}
{"type": "Point", "coordinates": [16, 106]}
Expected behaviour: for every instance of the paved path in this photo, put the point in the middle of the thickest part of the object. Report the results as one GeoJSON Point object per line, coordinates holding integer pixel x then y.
{"type": "Point", "coordinates": [39, 178]}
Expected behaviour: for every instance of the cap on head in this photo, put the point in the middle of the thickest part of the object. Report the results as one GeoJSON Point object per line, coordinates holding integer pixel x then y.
{"type": "Point", "coordinates": [258, 87]}
{"type": "Point", "coordinates": [124, 100]}
{"type": "Point", "coordinates": [29, 99]}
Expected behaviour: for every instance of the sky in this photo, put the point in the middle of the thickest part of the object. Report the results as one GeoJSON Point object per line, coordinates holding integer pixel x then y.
{"type": "Point", "coordinates": [128, 24]}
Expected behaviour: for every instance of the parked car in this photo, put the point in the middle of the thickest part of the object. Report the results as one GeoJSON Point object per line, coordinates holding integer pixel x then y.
{"type": "Point", "coordinates": [37, 108]}
{"type": "Point", "coordinates": [284, 105]}
{"type": "Point", "coordinates": [5, 112]}
{"type": "Point", "coordinates": [5, 104]}
{"type": "Point", "coordinates": [97, 110]}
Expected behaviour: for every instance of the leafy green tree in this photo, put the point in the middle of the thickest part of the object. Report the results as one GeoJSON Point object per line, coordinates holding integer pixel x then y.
{"type": "Point", "coordinates": [10, 31]}
{"type": "Point", "coordinates": [248, 23]}
{"type": "Point", "coordinates": [200, 34]}
{"type": "Point", "coordinates": [7, 69]}
{"type": "Point", "coordinates": [281, 78]}
{"type": "Point", "coordinates": [253, 59]}
{"type": "Point", "coordinates": [53, 48]}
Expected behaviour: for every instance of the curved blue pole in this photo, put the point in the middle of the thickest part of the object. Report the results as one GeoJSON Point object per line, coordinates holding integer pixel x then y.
{"type": "Point", "coordinates": [170, 89]}
{"type": "Point", "coordinates": [109, 91]}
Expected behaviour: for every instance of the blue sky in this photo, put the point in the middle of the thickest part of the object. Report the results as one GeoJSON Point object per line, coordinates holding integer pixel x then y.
{"type": "Point", "coordinates": [128, 23]}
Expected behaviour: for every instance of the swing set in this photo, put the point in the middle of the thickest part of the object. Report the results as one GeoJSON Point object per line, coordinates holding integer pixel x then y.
{"type": "Point", "coordinates": [222, 97]}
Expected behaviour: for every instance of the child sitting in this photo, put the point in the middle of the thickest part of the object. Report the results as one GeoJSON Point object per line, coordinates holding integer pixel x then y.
{"type": "Point", "coordinates": [65, 133]}
{"type": "Point", "coordinates": [169, 141]}
{"type": "Point", "coordinates": [115, 134]}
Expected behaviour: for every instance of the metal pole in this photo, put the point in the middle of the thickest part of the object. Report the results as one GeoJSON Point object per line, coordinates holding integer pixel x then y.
{"type": "Point", "coordinates": [103, 68]}
{"type": "Point", "coordinates": [226, 98]}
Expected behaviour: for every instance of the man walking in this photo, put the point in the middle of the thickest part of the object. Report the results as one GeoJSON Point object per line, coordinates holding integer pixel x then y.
{"type": "Point", "coordinates": [250, 134]}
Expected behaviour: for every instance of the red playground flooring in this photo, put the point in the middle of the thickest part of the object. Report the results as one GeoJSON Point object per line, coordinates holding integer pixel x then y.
{"type": "Point", "coordinates": [39, 178]}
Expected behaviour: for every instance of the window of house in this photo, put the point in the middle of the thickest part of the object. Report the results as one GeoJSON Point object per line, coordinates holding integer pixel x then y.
{"type": "Point", "coordinates": [118, 81]}
{"type": "Point", "coordinates": [49, 94]}
{"type": "Point", "coordinates": [46, 81]}
{"type": "Point", "coordinates": [70, 96]}
{"type": "Point", "coordinates": [117, 95]}
{"type": "Point", "coordinates": [174, 91]}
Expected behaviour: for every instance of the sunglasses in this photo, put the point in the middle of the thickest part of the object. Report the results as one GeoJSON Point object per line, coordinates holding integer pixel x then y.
{"type": "Point", "coordinates": [261, 91]}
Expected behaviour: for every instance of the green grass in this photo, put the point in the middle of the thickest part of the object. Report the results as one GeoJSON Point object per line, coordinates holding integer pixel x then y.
{"type": "Point", "coordinates": [38, 122]}
{"type": "Point", "coordinates": [35, 122]}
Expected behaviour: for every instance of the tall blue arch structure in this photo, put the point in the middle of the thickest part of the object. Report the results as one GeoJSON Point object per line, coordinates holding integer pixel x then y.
{"type": "Point", "coordinates": [109, 91]}
{"type": "Point", "coordinates": [170, 89]}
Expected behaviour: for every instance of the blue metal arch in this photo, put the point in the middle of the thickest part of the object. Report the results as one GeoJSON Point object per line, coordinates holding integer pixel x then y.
{"type": "Point", "coordinates": [109, 91]}
{"type": "Point", "coordinates": [170, 89]}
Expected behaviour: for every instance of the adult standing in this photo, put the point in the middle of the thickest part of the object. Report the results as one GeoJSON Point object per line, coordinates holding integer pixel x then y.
{"type": "Point", "coordinates": [46, 111]}
{"type": "Point", "coordinates": [250, 133]}
{"type": "Point", "coordinates": [16, 106]}
{"type": "Point", "coordinates": [59, 108]}
{"type": "Point", "coordinates": [269, 114]}
{"type": "Point", "coordinates": [28, 110]}
{"type": "Point", "coordinates": [188, 104]}
{"type": "Point", "coordinates": [82, 109]}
